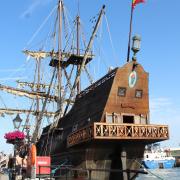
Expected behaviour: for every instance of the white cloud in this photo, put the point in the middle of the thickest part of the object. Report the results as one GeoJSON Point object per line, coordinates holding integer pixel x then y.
{"type": "Point", "coordinates": [157, 104]}
{"type": "Point", "coordinates": [166, 111]}
{"type": "Point", "coordinates": [34, 5]}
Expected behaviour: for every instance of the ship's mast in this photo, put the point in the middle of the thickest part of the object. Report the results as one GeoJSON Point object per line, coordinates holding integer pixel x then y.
{"type": "Point", "coordinates": [38, 61]}
{"type": "Point", "coordinates": [59, 69]}
{"type": "Point", "coordinates": [78, 51]}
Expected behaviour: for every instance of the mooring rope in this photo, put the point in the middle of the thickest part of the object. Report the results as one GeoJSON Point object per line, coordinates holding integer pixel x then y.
{"type": "Point", "coordinates": [148, 170]}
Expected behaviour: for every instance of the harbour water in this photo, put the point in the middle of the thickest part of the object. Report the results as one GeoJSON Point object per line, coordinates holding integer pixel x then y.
{"type": "Point", "coordinates": [163, 174]}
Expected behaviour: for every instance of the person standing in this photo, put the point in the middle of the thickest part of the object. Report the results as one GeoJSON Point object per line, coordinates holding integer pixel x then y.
{"type": "Point", "coordinates": [10, 167]}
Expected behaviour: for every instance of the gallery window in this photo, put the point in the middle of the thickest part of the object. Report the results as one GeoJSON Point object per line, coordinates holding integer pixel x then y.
{"type": "Point", "coordinates": [139, 93]}
{"type": "Point", "coordinates": [122, 91]}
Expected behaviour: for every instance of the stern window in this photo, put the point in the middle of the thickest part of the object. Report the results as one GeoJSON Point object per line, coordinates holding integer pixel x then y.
{"type": "Point", "coordinates": [122, 91]}
{"type": "Point", "coordinates": [112, 118]}
{"type": "Point", "coordinates": [109, 118]}
{"type": "Point", "coordinates": [74, 128]}
{"type": "Point", "coordinates": [138, 93]}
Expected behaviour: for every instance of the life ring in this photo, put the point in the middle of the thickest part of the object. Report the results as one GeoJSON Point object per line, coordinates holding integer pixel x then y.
{"type": "Point", "coordinates": [33, 153]}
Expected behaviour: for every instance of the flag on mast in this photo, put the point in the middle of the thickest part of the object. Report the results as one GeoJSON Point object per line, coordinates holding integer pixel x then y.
{"type": "Point", "coordinates": [135, 2]}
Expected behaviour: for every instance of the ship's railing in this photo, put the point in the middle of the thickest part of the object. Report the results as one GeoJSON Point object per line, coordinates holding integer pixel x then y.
{"type": "Point", "coordinates": [82, 52]}
{"type": "Point", "coordinates": [111, 131]}
{"type": "Point", "coordinates": [130, 131]}
{"type": "Point", "coordinates": [82, 135]}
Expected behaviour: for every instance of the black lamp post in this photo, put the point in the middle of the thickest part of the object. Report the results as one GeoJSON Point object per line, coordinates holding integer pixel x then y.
{"type": "Point", "coordinates": [136, 44]}
{"type": "Point", "coordinates": [27, 128]}
{"type": "Point", "coordinates": [17, 122]}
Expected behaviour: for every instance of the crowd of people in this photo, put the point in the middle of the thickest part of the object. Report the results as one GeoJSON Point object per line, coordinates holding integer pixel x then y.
{"type": "Point", "coordinates": [17, 167]}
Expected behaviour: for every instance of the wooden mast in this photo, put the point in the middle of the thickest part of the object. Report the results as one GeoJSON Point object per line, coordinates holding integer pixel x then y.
{"type": "Point", "coordinates": [130, 32]}
{"type": "Point", "coordinates": [59, 69]}
{"type": "Point", "coordinates": [78, 51]}
{"type": "Point", "coordinates": [38, 61]}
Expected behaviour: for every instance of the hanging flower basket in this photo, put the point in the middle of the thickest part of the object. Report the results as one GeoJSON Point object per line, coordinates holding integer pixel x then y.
{"type": "Point", "coordinates": [14, 137]}
{"type": "Point", "coordinates": [14, 141]}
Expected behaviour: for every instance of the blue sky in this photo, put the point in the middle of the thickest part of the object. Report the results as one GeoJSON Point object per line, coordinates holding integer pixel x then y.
{"type": "Point", "coordinates": [157, 21]}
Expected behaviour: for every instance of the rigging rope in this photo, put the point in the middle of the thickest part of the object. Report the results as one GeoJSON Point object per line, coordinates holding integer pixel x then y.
{"type": "Point", "coordinates": [38, 123]}
{"type": "Point", "coordinates": [46, 145]}
{"type": "Point", "coordinates": [103, 52]}
{"type": "Point", "coordinates": [27, 118]}
{"type": "Point", "coordinates": [41, 26]}
{"type": "Point", "coordinates": [15, 72]}
{"type": "Point", "coordinates": [110, 38]}
{"type": "Point", "coordinates": [55, 123]}
{"type": "Point", "coordinates": [4, 105]}
{"type": "Point", "coordinates": [3, 102]}
{"type": "Point", "coordinates": [66, 87]}
{"type": "Point", "coordinates": [83, 35]}
{"type": "Point", "coordinates": [85, 58]}
{"type": "Point", "coordinates": [35, 72]}
{"type": "Point", "coordinates": [148, 170]}
{"type": "Point", "coordinates": [64, 22]}
{"type": "Point", "coordinates": [88, 75]}
{"type": "Point", "coordinates": [67, 42]}
{"type": "Point", "coordinates": [54, 33]}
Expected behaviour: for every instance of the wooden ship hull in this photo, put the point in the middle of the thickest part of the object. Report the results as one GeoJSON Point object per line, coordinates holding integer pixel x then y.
{"type": "Point", "coordinates": [107, 127]}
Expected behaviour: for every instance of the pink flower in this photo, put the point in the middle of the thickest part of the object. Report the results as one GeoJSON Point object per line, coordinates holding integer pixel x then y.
{"type": "Point", "coordinates": [14, 135]}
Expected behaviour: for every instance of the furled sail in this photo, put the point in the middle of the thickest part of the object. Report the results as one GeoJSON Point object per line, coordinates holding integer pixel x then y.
{"type": "Point", "coordinates": [18, 111]}
{"type": "Point", "coordinates": [31, 95]}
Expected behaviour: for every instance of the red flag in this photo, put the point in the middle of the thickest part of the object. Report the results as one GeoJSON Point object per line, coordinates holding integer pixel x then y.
{"type": "Point", "coordinates": [135, 2]}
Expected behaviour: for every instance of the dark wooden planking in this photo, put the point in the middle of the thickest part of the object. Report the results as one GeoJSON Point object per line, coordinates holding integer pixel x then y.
{"type": "Point", "coordinates": [129, 104]}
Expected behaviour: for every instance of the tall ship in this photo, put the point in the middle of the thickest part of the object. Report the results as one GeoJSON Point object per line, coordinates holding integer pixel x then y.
{"type": "Point", "coordinates": [103, 127]}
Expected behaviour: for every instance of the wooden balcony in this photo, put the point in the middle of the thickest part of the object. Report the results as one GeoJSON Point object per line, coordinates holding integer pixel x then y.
{"type": "Point", "coordinates": [121, 132]}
